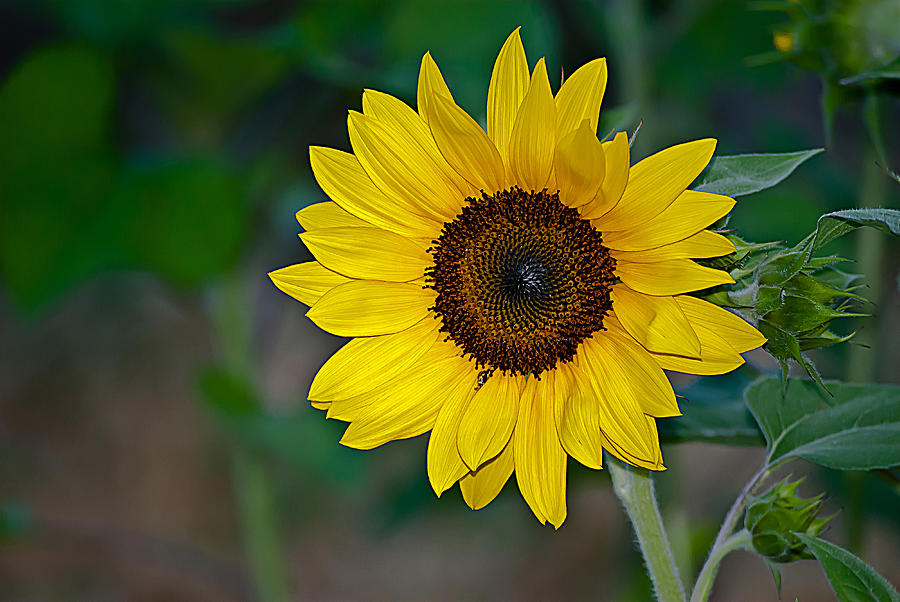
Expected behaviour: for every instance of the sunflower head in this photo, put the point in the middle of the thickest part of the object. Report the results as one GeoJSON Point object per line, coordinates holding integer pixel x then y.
{"type": "Point", "coordinates": [516, 290]}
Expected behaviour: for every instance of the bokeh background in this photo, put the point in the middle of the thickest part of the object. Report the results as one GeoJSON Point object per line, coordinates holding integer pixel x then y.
{"type": "Point", "coordinates": [155, 442]}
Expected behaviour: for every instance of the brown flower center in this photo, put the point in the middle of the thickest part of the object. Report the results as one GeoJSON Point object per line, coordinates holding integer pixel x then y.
{"type": "Point", "coordinates": [521, 280]}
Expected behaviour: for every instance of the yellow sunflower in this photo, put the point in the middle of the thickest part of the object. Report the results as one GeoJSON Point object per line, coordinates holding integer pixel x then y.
{"type": "Point", "coordinates": [517, 292]}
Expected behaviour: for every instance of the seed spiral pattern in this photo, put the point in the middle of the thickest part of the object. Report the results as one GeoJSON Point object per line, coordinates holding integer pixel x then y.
{"type": "Point", "coordinates": [521, 280]}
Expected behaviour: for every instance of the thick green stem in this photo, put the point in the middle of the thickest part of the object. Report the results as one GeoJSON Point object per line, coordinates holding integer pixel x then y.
{"type": "Point", "coordinates": [635, 489]}
{"type": "Point", "coordinates": [707, 576]}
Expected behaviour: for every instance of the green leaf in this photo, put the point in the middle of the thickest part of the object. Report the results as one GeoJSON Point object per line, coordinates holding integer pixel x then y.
{"type": "Point", "coordinates": [852, 579]}
{"type": "Point", "coordinates": [837, 223]}
{"type": "Point", "coordinates": [726, 423]}
{"type": "Point", "coordinates": [740, 175]}
{"type": "Point", "coordinates": [855, 428]}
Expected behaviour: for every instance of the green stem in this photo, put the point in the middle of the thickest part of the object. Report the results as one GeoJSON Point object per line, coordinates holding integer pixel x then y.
{"type": "Point", "coordinates": [253, 488]}
{"type": "Point", "coordinates": [707, 576]}
{"type": "Point", "coordinates": [635, 489]}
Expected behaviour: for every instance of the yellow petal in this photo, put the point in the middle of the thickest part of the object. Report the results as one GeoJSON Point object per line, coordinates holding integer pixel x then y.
{"type": "Point", "coordinates": [654, 463]}
{"type": "Point", "coordinates": [306, 282]}
{"type": "Point", "coordinates": [509, 84]}
{"type": "Point", "coordinates": [540, 458]}
{"type": "Point", "coordinates": [670, 277]}
{"type": "Point", "coordinates": [532, 143]}
{"type": "Point", "coordinates": [465, 145]}
{"type": "Point", "coordinates": [617, 394]}
{"type": "Point", "coordinates": [702, 244]}
{"type": "Point", "coordinates": [580, 96]}
{"type": "Point", "coordinates": [367, 362]}
{"type": "Point", "coordinates": [445, 467]}
{"type": "Point", "coordinates": [430, 82]}
{"type": "Point", "coordinates": [345, 182]}
{"type": "Point", "coordinates": [395, 161]}
{"type": "Point", "coordinates": [578, 419]}
{"type": "Point", "coordinates": [657, 323]}
{"type": "Point", "coordinates": [688, 214]}
{"type": "Point", "coordinates": [655, 182]}
{"type": "Point", "coordinates": [368, 253]}
{"type": "Point", "coordinates": [489, 420]}
{"type": "Point", "coordinates": [400, 117]}
{"type": "Point", "coordinates": [479, 488]}
{"type": "Point", "coordinates": [370, 307]}
{"type": "Point", "coordinates": [716, 355]}
{"type": "Point", "coordinates": [617, 155]}
{"type": "Point", "coordinates": [579, 166]}
{"type": "Point", "coordinates": [740, 335]}
{"type": "Point", "coordinates": [651, 386]}
{"type": "Point", "coordinates": [410, 406]}
{"type": "Point", "coordinates": [328, 215]}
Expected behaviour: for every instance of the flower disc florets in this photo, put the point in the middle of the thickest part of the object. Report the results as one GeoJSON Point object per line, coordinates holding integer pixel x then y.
{"type": "Point", "coordinates": [521, 280]}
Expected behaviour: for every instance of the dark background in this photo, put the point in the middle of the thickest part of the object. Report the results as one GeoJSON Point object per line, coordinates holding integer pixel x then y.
{"type": "Point", "coordinates": [155, 442]}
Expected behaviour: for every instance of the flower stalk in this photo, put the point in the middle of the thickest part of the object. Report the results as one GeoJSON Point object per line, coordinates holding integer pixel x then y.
{"type": "Point", "coordinates": [634, 487]}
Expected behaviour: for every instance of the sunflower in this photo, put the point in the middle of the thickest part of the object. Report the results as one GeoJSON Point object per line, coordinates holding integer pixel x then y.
{"type": "Point", "coordinates": [517, 291]}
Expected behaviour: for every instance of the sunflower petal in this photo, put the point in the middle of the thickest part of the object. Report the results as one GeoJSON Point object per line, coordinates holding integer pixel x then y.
{"type": "Point", "coordinates": [479, 488]}
{"type": "Point", "coordinates": [409, 406]}
{"type": "Point", "coordinates": [657, 323]}
{"type": "Point", "coordinates": [578, 419]}
{"type": "Point", "coordinates": [580, 96]}
{"type": "Point", "coordinates": [670, 277]}
{"type": "Point", "coordinates": [579, 166]}
{"type": "Point", "coordinates": [740, 335]}
{"type": "Point", "coordinates": [367, 362]}
{"type": "Point", "coordinates": [397, 164]}
{"type": "Point", "coordinates": [368, 253]}
{"type": "Point", "coordinates": [430, 82]}
{"type": "Point", "coordinates": [532, 143]}
{"type": "Point", "coordinates": [654, 463]}
{"type": "Point", "coordinates": [489, 421]}
{"type": "Point", "coordinates": [445, 467]}
{"type": "Point", "coordinates": [509, 85]}
{"type": "Point", "coordinates": [465, 145]}
{"type": "Point", "coordinates": [345, 182]}
{"type": "Point", "coordinates": [540, 458]}
{"type": "Point", "coordinates": [328, 215]}
{"type": "Point", "coordinates": [702, 244]}
{"type": "Point", "coordinates": [688, 214]}
{"type": "Point", "coordinates": [616, 154]}
{"type": "Point", "coordinates": [369, 307]}
{"type": "Point", "coordinates": [306, 282]}
{"type": "Point", "coordinates": [655, 182]}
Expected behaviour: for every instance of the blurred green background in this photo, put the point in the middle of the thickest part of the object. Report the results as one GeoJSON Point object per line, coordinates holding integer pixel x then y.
{"type": "Point", "coordinates": [155, 442]}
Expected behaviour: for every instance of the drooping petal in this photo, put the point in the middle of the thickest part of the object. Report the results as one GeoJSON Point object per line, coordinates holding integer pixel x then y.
{"type": "Point", "coordinates": [400, 117]}
{"type": "Point", "coordinates": [409, 405]}
{"type": "Point", "coordinates": [465, 145]}
{"type": "Point", "coordinates": [488, 422]}
{"type": "Point", "coordinates": [670, 277]}
{"type": "Point", "coordinates": [532, 143]}
{"type": "Point", "coordinates": [368, 253]}
{"type": "Point", "coordinates": [616, 154]}
{"type": "Point", "coordinates": [345, 182]}
{"type": "Point", "coordinates": [509, 84]}
{"type": "Point", "coordinates": [702, 244]}
{"type": "Point", "coordinates": [687, 215]}
{"type": "Point", "coordinates": [328, 215]}
{"type": "Point", "coordinates": [657, 323]}
{"type": "Point", "coordinates": [367, 362]}
{"type": "Point", "coordinates": [740, 335]}
{"type": "Point", "coordinates": [578, 419]}
{"type": "Point", "coordinates": [540, 458]}
{"type": "Point", "coordinates": [397, 164]}
{"type": "Point", "coordinates": [655, 182]}
{"type": "Point", "coordinates": [655, 462]}
{"type": "Point", "coordinates": [306, 282]}
{"type": "Point", "coordinates": [479, 488]}
{"type": "Point", "coordinates": [445, 467]}
{"type": "Point", "coordinates": [579, 166]}
{"type": "Point", "coordinates": [580, 96]}
{"type": "Point", "coordinates": [369, 307]}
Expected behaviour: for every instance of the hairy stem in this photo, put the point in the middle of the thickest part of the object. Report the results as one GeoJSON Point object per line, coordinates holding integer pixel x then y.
{"type": "Point", "coordinates": [707, 576]}
{"type": "Point", "coordinates": [635, 489]}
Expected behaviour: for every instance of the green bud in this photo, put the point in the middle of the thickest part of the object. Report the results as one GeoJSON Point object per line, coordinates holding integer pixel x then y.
{"type": "Point", "coordinates": [774, 517]}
